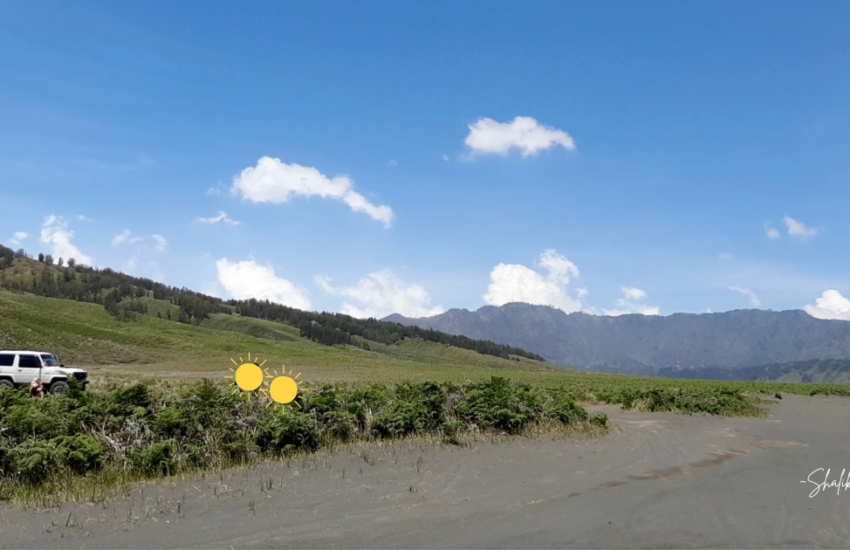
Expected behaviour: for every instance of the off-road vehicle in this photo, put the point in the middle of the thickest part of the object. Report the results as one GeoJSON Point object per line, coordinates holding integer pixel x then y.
{"type": "Point", "coordinates": [20, 368]}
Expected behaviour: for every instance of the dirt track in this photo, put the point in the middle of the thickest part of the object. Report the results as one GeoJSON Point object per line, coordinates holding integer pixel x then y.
{"type": "Point", "coordinates": [660, 481]}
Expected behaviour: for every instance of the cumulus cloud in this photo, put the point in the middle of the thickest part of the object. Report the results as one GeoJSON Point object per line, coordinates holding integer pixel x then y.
{"type": "Point", "coordinates": [248, 279]}
{"type": "Point", "coordinates": [381, 293]}
{"type": "Point", "coordinates": [632, 293]}
{"type": "Point", "coordinates": [518, 283]}
{"type": "Point", "coordinates": [771, 232]}
{"type": "Point", "coordinates": [159, 243]}
{"type": "Point", "coordinates": [798, 228]}
{"type": "Point", "coordinates": [221, 218]}
{"type": "Point", "coordinates": [486, 136]}
{"type": "Point", "coordinates": [276, 182]}
{"type": "Point", "coordinates": [125, 237]}
{"type": "Point", "coordinates": [628, 303]}
{"type": "Point", "coordinates": [830, 305]}
{"type": "Point", "coordinates": [55, 233]}
{"type": "Point", "coordinates": [754, 300]}
{"type": "Point", "coordinates": [83, 218]}
{"type": "Point", "coordinates": [18, 237]}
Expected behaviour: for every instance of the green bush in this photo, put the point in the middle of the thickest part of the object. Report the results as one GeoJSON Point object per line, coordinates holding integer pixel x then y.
{"type": "Point", "coordinates": [28, 420]}
{"type": "Point", "coordinates": [169, 422]}
{"type": "Point", "coordinates": [34, 460]}
{"type": "Point", "coordinates": [80, 453]}
{"type": "Point", "coordinates": [339, 425]}
{"type": "Point", "coordinates": [286, 433]}
{"type": "Point", "coordinates": [498, 404]}
{"type": "Point", "coordinates": [157, 458]}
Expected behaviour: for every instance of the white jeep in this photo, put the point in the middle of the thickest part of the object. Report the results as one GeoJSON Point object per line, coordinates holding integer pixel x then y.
{"type": "Point", "coordinates": [20, 368]}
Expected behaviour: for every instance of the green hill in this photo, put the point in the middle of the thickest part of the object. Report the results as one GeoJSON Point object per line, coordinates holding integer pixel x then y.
{"type": "Point", "coordinates": [87, 335]}
{"type": "Point", "coordinates": [126, 297]}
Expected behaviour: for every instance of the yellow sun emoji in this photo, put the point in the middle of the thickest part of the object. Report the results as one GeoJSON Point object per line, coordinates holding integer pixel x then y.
{"type": "Point", "coordinates": [282, 389]}
{"type": "Point", "coordinates": [248, 376]}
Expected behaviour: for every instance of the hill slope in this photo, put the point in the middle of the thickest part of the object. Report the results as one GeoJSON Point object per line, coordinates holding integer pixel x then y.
{"type": "Point", "coordinates": [644, 344]}
{"type": "Point", "coordinates": [85, 334]}
{"type": "Point", "coordinates": [125, 297]}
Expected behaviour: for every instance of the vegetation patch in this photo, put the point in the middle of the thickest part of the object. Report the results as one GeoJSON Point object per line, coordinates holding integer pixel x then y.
{"type": "Point", "coordinates": [139, 431]}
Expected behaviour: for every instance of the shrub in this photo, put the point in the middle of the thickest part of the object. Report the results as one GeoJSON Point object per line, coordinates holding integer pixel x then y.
{"type": "Point", "coordinates": [339, 425]}
{"type": "Point", "coordinates": [497, 404]}
{"type": "Point", "coordinates": [169, 422]}
{"type": "Point", "coordinates": [34, 460]}
{"type": "Point", "coordinates": [285, 433]}
{"type": "Point", "coordinates": [157, 458]}
{"type": "Point", "coordinates": [599, 419]}
{"type": "Point", "coordinates": [80, 453]}
{"type": "Point", "coordinates": [28, 420]}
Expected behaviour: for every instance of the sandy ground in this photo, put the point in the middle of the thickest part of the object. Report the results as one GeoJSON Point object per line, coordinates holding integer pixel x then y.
{"type": "Point", "coordinates": [659, 481]}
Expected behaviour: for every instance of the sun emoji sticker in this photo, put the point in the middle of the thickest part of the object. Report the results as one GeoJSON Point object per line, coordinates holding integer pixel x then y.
{"type": "Point", "coordinates": [282, 389]}
{"type": "Point", "coordinates": [248, 376]}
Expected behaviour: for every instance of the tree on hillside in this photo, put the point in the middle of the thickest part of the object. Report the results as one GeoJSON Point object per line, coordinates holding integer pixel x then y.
{"type": "Point", "coordinates": [61, 262]}
{"type": "Point", "coordinates": [48, 259]}
{"type": "Point", "coordinates": [40, 257]}
{"type": "Point", "coordinates": [72, 262]}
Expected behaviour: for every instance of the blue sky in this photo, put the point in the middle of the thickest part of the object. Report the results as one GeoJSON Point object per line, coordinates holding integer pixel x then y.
{"type": "Point", "coordinates": [374, 160]}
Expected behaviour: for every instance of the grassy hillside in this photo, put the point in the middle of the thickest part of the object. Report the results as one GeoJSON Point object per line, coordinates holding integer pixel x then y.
{"type": "Point", "coordinates": [86, 335]}
{"type": "Point", "coordinates": [125, 297]}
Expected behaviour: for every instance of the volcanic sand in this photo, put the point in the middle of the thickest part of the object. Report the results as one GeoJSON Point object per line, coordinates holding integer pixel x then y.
{"type": "Point", "coordinates": [657, 480]}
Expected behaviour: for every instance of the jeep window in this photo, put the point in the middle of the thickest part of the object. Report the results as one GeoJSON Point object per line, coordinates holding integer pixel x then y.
{"type": "Point", "coordinates": [49, 360]}
{"type": "Point", "coordinates": [7, 359]}
{"type": "Point", "coordinates": [29, 361]}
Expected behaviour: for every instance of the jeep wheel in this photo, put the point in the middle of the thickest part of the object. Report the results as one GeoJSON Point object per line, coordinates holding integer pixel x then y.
{"type": "Point", "coordinates": [58, 388]}
{"type": "Point", "coordinates": [7, 384]}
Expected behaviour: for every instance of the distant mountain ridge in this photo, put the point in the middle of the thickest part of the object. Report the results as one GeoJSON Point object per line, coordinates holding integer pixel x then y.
{"type": "Point", "coordinates": [645, 344]}
{"type": "Point", "coordinates": [828, 371]}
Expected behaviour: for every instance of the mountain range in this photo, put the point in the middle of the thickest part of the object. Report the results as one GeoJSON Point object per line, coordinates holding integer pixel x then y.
{"type": "Point", "coordinates": [651, 344]}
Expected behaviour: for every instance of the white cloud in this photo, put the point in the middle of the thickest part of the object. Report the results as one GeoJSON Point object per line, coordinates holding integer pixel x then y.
{"type": "Point", "coordinates": [125, 237]}
{"type": "Point", "coordinates": [632, 293]}
{"type": "Point", "coordinates": [55, 232]}
{"type": "Point", "coordinates": [517, 283]}
{"type": "Point", "coordinates": [486, 136]}
{"type": "Point", "coordinates": [446, 158]}
{"type": "Point", "coordinates": [627, 304]}
{"type": "Point", "coordinates": [18, 237]}
{"type": "Point", "coordinates": [830, 305]}
{"type": "Point", "coordinates": [247, 279]}
{"type": "Point", "coordinates": [582, 293]}
{"type": "Point", "coordinates": [381, 293]}
{"type": "Point", "coordinates": [276, 182]}
{"type": "Point", "coordinates": [799, 229]}
{"type": "Point", "coordinates": [754, 300]}
{"type": "Point", "coordinates": [83, 218]}
{"type": "Point", "coordinates": [160, 244]}
{"type": "Point", "coordinates": [221, 218]}
{"type": "Point", "coordinates": [771, 232]}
